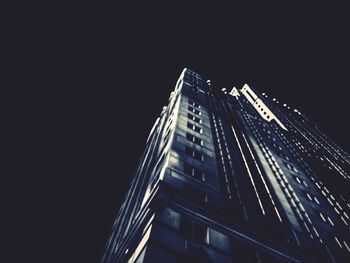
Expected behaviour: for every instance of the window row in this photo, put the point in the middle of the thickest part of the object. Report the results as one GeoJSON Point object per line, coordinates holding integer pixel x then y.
{"type": "Point", "coordinates": [325, 218]}
{"type": "Point", "coordinates": [194, 118]}
{"type": "Point", "coordinates": [192, 171]}
{"type": "Point", "coordinates": [194, 127]}
{"type": "Point", "coordinates": [342, 244]}
{"type": "Point", "coordinates": [291, 167]}
{"type": "Point", "coordinates": [300, 181]}
{"type": "Point", "coordinates": [194, 139]}
{"type": "Point", "coordinates": [195, 111]}
{"type": "Point", "coordinates": [194, 104]}
{"type": "Point", "coordinates": [311, 198]}
{"type": "Point", "coordinates": [203, 234]}
{"type": "Point", "coordinates": [194, 154]}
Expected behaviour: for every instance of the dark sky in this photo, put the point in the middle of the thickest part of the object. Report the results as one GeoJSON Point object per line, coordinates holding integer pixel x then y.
{"type": "Point", "coordinates": [97, 78]}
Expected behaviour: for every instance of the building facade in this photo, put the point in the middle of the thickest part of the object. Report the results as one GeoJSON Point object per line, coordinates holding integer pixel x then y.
{"type": "Point", "coordinates": [234, 176]}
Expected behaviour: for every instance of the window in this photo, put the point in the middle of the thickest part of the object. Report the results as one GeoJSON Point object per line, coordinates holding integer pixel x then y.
{"type": "Point", "coordinates": [325, 218]}
{"type": "Point", "coordinates": [188, 169]}
{"type": "Point", "coordinates": [195, 111]}
{"type": "Point", "coordinates": [301, 181]}
{"type": "Point", "coordinates": [199, 232]}
{"type": "Point", "coordinates": [338, 242]}
{"type": "Point", "coordinates": [297, 179]}
{"type": "Point", "coordinates": [194, 127]}
{"type": "Point", "coordinates": [330, 220]}
{"type": "Point", "coordinates": [291, 167]}
{"type": "Point", "coordinates": [193, 153]}
{"type": "Point", "coordinates": [346, 246]}
{"type": "Point", "coordinates": [170, 217]}
{"type": "Point", "coordinates": [196, 119]}
{"type": "Point", "coordinates": [196, 173]}
{"type": "Point", "coordinates": [193, 230]}
{"type": "Point", "coordinates": [308, 196]}
{"type": "Point", "coordinates": [316, 200]}
{"type": "Point", "coordinates": [311, 198]}
{"type": "Point", "coordinates": [194, 139]}
{"type": "Point", "coordinates": [185, 226]}
{"type": "Point", "coordinates": [218, 240]}
{"type": "Point", "coordinates": [195, 104]}
{"type": "Point", "coordinates": [193, 88]}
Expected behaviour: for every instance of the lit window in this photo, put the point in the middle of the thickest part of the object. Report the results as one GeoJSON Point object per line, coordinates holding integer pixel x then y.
{"type": "Point", "coordinates": [308, 196]}
{"type": "Point", "coordinates": [322, 217]}
{"type": "Point", "coordinates": [291, 167]}
{"type": "Point", "coordinates": [194, 127]}
{"type": "Point", "coordinates": [195, 111]}
{"type": "Point", "coordinates": [347, 246]}
{"type": "Point", "coordinates": [330, 220]}
{"type": "Point", "coordinates": [316, 200]}
{"type": "Point", "coordinates": [300, 181]}
{"type": "Point", "coordinates": [196, 119]}
{"type": "Point", "coordinates": [195, 104]}
{"type": "Point", "coordinates": [338, 242]}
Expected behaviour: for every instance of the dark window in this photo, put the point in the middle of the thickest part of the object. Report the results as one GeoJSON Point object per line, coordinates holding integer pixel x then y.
{"type": "Point", "coordinates": [190, 116]}
{"type": "Point", "coordinates": [199, 232]}
{"type": "Point", "coordinates": [189, 151]}
{"type": "Point", "coordinates": [193, 230]}
{"type": "Point", "coordinates": [199, 156]}
{"type": "Point", "coordinates": [196, 112]}
{"type": "Point", "coordinates": [198, 141]}
{"type": "Point", "coordinates": [185, 226]}
{"type": "Point", "coordinates": [196, 119]}
{"type": "Point", "coordinates": [188, 169]}
{"type": "Point", "coordinates": [190, 126]}
{"type": "Point", "coordinates": [189, 137]}
{"type": "Point", "coordinates": [194, 139]}
{"type": "Point", "coordinates": [196, 173]}
{"type": "Point", "coordinates": [193, 153]}
{"type": "Point", "coordinates": [197, 129]}
{"type": "Point", "coordinates": [194, 127]}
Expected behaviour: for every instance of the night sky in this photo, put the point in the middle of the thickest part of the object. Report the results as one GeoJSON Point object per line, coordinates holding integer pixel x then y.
{"type": "Point", "coordinates": [98, 77]}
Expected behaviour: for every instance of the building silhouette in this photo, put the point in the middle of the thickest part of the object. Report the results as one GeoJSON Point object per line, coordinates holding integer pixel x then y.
{"type": "Point", "coordinates": [234, 176]}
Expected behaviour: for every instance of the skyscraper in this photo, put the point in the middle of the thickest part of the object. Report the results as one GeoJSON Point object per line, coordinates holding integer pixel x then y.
{"type": "Point", "coordinates": [234, 176]}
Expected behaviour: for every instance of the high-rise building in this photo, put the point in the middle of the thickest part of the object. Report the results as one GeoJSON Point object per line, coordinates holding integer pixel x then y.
{"type": "Point", "coordinates": [234, 176]}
